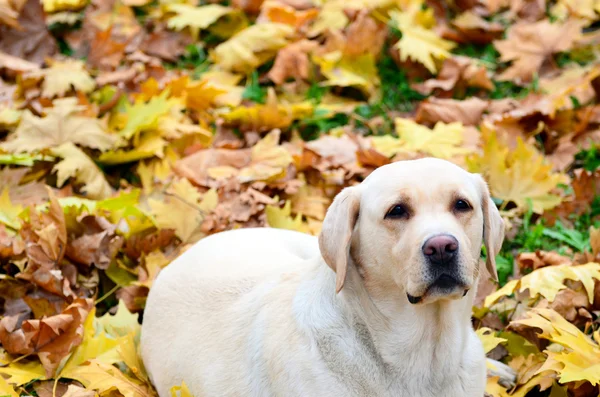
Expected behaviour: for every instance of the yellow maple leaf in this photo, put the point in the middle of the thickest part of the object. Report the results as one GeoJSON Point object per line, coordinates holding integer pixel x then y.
{"type": "Point", "coordinates": [96, 344]}
{"type": "Point", "coordinates": [122, 323]}
{"type": "Point", "coordinates": [103, 377]}
{"type": "Point", "coordinates": [9, 212]}
{"type": "Point", "coordinates": [580, 358]}
{"type": "Point", "coordinates": [488, 339]}
{"type": "Point", "coordinates": [181, 212]}
{"type": "Point", "coordinates": [63, 76]}
{"type": "Point", "coordinates": [418, 43]}
{"type": "Point", "coordinates": [128, 351]}
{"type": "Point", "coordinates": [349, 71]}
{"type": "Point", "coordinates": [61, 125]}
{"type": "Point", "coordinates": [272, 114]}
{"type": "Point", "coordinates": [281, 218]}
{"type": "Point", "coordinates": [517, 175]}
{"type": "Point", "coordinates": [585, 9]}
{"type": "Point", "coordinates": [548, 281]}
{"type": "Point", "coordinates": [252, 47]}
{"type": "Point", "coordinates": [443, 141]}
{"type": "Point", "coordinates": [6, 390]}
{"type": "Point", "coordinates": [21, 373]}
{"type": "Point", "coordinates": [269, 160]}
{"type": "Point", "coordinates": [77, 164]}
{"type": "Point", "coordinates": [149, 145]}
{"type": "Point", "coordinates": [142, 116]}
{"type": "Point", "coordinates": [196, 18]}
{"type": "Point", "coordinates": [51, 6]}
{"type": "Point", "coordinates": [202, 95]}
{"type": "Point", "coordinates": [183, 188]}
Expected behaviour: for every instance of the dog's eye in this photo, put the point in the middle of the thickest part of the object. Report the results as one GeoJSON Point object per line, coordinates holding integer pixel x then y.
{"type": "Point", "coordinates": [398, 211]}
{"type": "Point", "coordinates": [462, 205]}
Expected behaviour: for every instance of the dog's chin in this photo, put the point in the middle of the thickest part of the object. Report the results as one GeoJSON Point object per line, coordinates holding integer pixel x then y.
{"type": "Point", "coordinates": [445, 287]}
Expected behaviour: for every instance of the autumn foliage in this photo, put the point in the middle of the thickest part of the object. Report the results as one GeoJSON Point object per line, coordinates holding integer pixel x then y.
{"type": "Point", "coordinates": [131, 129]}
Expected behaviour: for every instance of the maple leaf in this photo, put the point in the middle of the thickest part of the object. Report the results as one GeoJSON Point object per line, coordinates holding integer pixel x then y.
{"type": "Point", "coordinates": [281, 218]}
{"type": "Point", "coordinates": [269, 161]}
{"type": "Point", "coordinates": [61, 77]}
{"type": "Point", "coordinates": [9, 212]}
{"type": "Point", "coordinates": [95, 345]}
{"type": "Point", "coordinates": [275, 11]}
{"type": "Point", "coordinates": [21, 373]}
{"type": "Point", "coordinates": [9, 12]}
{"type": "Point", "coordinates": [345, 71]}
{"type": "Point", "coordinates": [548, 281]}
{"type": "Point", "coordinates": [78, 165]}
{"type": "Point", "coordinates": [61, 125]}
{"type": "Point", "coordinates": [580, 358]}
{"type": "Point", "coordinates": [252, 46]}
{"type": "Point", "coordinates": [149, 145]}
{"type": "Point", "coordinates": [292, 61]}
{"type": "Point", "coordinates": [488, 339]}
{"type": "Point", "coordinates": [30, 38]}
{"type": "Point", "coordinates": [517, 175]}
{"type": "Point", "coordinates": [6, 389]}
{"type": "Point", "coordinates": [103, 377]}
{"type": "Point", "coordinates": [196, 18]}
{"type": "Point", "coordinates": [443, 141]}
{"type": "Point", "coordinates": [178, 213]}
{"type": "Point", "coordinates": [528, 45]}
{"type": "Point", "coordinates": [418, 43]}
{"type": "Point", "coordinates": [269, 116]}
{"type": "Point", "coordinates": [51, 6]}
{"type": "Point", "coordinates": [142, 116]}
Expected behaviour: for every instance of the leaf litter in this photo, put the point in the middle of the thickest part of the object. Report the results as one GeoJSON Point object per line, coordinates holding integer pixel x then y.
{"type": "Point", "coordinates": [130, 130]}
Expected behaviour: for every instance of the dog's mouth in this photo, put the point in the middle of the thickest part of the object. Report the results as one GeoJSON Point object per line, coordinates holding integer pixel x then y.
{"type": "Point", "coordinates": [443, 285]}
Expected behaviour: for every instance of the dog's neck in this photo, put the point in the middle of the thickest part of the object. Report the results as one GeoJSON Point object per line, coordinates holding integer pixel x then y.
{"type": "Point", "coordinates": [403, 333]}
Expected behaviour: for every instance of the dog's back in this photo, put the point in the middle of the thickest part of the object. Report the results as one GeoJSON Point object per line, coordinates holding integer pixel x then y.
{"type": "Point", "coordinates": [210, 299]}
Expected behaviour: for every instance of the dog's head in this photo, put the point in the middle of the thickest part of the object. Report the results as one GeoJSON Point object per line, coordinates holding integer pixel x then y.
{"type": "Point", "coordinates": [417, 226]}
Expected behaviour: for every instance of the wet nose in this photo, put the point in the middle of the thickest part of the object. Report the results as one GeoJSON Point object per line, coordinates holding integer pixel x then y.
{"type": "Point", "coordinates": [440, 248]}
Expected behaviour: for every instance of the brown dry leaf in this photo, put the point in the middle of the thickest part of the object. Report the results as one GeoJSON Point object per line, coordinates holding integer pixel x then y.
{"type": "Point", "coordinates": [334, 152]}
{"type": "Point", "coordinates": [105, 52]}
{"type": "Point", "coordinates": [9, 12]}
{"type": "Point", "coordinates": [474, 29]}
{"type": "Point", "coordinates": [457, 74]}
{"type": "Point", "coordinates": [468, 112]}
{"type": "Point", "coordinates": [586, 187]}
{"type": "Point", "coordinates": [31, 40]}
{"type": "Point", "coordinates": [51, 338]}
{"type": "Point", "coordinates": [528, 45]}
{"type": "Point", "coordinates": [98, 244]}
{"type": "Point", "coordinates": [292, 61]}
{"type": "Point", "coordinates": [528, 261]}
{"type": "Point", "coordinates": [364, 35]}
{"type": "Point", "coordinates": [16, 64]}
{"type": "Point", "coordinates": [165, 44]}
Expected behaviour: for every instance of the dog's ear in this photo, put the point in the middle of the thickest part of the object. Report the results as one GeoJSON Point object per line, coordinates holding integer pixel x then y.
{"type": "Point", "coordinates": [336, 233]}
{"type": "Point", "coordinates": [493, 229]}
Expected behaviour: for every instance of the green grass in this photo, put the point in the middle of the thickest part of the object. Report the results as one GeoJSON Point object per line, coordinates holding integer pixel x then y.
{"type": "Point", "coordinates": [253, 91]}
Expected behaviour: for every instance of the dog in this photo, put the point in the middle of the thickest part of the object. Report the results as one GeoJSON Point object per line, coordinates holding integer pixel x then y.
{"type": "Point", "coordinates": [378, 305]}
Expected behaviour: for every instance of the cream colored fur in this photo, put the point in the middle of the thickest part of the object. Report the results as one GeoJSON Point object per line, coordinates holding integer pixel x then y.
{"type": "Point", "coordinates": [255, 312]}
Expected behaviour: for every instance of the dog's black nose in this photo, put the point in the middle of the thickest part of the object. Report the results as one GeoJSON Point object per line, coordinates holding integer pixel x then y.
{"type": "Point", "coordinates": [441, 248]}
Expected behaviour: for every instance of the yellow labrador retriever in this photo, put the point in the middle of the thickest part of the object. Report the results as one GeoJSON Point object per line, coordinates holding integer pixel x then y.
{"type": "Point", "coordinates": [379, 305]}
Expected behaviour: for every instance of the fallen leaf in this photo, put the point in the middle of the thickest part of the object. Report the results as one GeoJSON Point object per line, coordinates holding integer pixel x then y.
{"type": "Point", "coordinates": [528, 45]}
{"type": "Point", "coordinates": [61, 125]}
{"type": "Point", "coordinates": [548, 281]}
{"type": "Point", "coordinates": [30, 40]}
{"type": "Point", "coordinates": [76, 164]}
{"type": "Point", "coordinates": [466, 112]}
{"type": "Point", "coordinates": [518, 175]}
{"type": "Point", "coordinates": [61, 77]}
{"type": "Point", "coordinates": [252, 47]}
{"type": "Point", "coordinates": [292, 61]}
{"type": "Point", "coordinates": [196, 18]}
{"type": "Point", "coordinates": [443, 141]}
{"type": "Point", "coordinates": [418, 43]}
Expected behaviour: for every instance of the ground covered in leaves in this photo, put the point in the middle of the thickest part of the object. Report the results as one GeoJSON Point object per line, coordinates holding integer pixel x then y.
{"type": "Point", "coordinates": [131, 129]}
